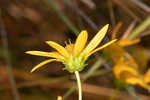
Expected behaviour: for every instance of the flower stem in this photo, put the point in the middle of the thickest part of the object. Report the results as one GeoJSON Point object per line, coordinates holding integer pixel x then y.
{"type": "Point", "coordinates": [79, 84]}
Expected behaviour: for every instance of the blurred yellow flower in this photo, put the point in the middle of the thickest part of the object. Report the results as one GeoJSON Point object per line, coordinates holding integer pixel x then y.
{"type": "Point", "coordinates": [128, 72]}
{"type": "Point", "coordinates": [116, 50]}
{"type": "Point", "coordinates": [73, 56]}
{"type": "Point", "coordinates": [59, 97]}
{"type": "Point", "coordinates": [125, 67]}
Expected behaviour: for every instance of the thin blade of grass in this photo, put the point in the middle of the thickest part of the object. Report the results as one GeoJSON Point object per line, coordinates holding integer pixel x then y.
{"type": "Point", "coordinates": [140, 28]}
{"type": "Point", "coordinates": [126, 9]}
{"type": "Point", "coordinates": [141, 5]}
{"type": "Point", "coordinates": [111, 13]}
{"type": "Point", "coordinates": [132, 92]}
{"type": "Point", "coordinates": [129, 30]}
{"type": "Point", "coordinates": [7, 58]}
{"type": "Point", "coordinates": [89, 3]}
{"type": "Point", "coordinates": [63, 17]}
{"type": "Point", "coordinates": [82, 14]}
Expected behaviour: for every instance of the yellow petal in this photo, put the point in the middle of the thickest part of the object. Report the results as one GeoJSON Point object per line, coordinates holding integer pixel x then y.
{"type": "Point", "coordinates": [101, 47]}
{"type": "Point", "coordinates": [56, 55]}
{"type": "Point", "coordinates": [116, 29]}
{"type": "Point", "coordinates": [126, 42]}
{"type": "Point", "coordinates": [59, 98]}
{"type": "Point", "coordinates": [115, 52]}
{"type": "Point", "coordinates": [80, 42]}
{"type": "Point", "coordinates": [147, 76]}
{"type": "Point", "coordinates": [131, 61]}
{"type": "Point", "coordinates": [135, 81]}
{"type": "Point", "coordinates": [70, 48]}
{"type": "Point", "coordinates": [96, 40]}
{"type": "Point", "coordinates": [46, 54]}
{"type": "Point", "coordinates": [140, 58]}
{"type": "Point", "coordinates": [59, 48]}
{"type": "Point", "coordinates": [120, 68]}
{"type": "Point", "coordinates": [42, 63]}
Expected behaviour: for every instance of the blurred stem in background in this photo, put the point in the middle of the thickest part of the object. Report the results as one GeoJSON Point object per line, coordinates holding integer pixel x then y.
{"type": "Point", "coordinates": [3, 34]}
{"type": "Point", "coordinates": [132, 92]}
{"type": "Point", "coordinates": [63, 17]}
{"type": "Point", "coordinates": [117, 90]}
{"type": "Point", "coordinates": [82, 14]}
{"type": "Point", "coordinates": [141, 5]}
{"type": "Point", "coordinates": [140, 28]}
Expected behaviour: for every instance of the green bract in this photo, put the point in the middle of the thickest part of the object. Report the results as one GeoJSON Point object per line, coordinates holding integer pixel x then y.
{"type": "Point", "coordinates": [75, 64]}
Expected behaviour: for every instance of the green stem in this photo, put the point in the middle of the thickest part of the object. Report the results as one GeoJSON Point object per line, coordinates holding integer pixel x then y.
{"type": "Point", "coordinates": [132, 92]}
{"type": "Point", "coordinates": [79, 84]}
{"type": "Point", "coordinates": [89, 73]}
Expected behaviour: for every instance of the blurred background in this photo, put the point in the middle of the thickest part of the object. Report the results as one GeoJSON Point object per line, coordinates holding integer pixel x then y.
{"type": "Point", "coordinates": [26, 25]}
